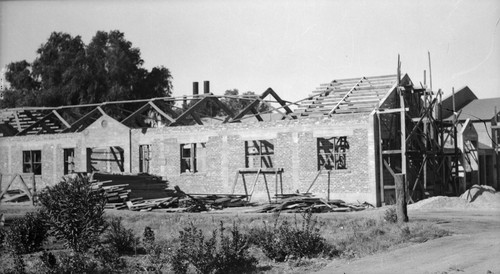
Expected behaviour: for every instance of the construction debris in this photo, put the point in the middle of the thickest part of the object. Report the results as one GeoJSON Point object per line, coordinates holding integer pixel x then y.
{"type": "Point", "coordinates": [148, 193]}
{"type": "Point", "coordinates": [294, 203]}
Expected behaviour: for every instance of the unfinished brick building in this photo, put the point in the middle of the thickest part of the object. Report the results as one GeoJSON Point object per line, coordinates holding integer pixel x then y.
{"type": "Point", "coordinates": [342, 142]}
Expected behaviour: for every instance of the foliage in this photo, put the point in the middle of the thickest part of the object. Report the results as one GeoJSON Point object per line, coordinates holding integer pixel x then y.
{"type": "Point", "coordinates": [74, 211]}
{"type": "Point", "coordinates": [101, 259]}
{"type": "Point", "coordinates": [2, 236]}
{"type": "Point", "coordinates": [26, 234]}
{"type": "Point", "coordinates": [148, 236]}
{"type": "Point", "coordinates": [216, 254]}
{"type": "Point", "coordinates": [119, 237]}
{"type": "Point", "coordinates": [236, 105]}
{"type": "Point", "coordinates": [390, 215]}
{"type": "Point", "coordinates": [66, 71]}
{"type": "Point", "coordinates": [284, 240]}
{"type": "Point", "coordinates": [233, 256]}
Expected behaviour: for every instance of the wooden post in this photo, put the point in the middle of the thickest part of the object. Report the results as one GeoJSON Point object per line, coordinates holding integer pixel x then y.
{"type": "Point", "coordinates": [400, 181]}
{"type": "Point", "coordinates": [401, 210]}
{"type": "Point", "coordinates": [235, 181]}
{"type": "Point", "coordinates": [267, 187]}
{"type": "Point", "coordinates": [381, 160]}
{"type": "Point", "coordinates": [245, 186]}
{"type": "Point", "coordinates": [281, 181]}
{"type": "Point", "coordinates": [328, 196]}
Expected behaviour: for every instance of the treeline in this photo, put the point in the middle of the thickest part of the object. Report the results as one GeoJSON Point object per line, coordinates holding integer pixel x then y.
{"type": "Point", "coordinates": [66, 71]}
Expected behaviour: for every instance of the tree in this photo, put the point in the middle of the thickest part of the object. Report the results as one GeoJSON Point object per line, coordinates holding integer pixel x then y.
{"type": "Point", "coordinates": [236, 105]}
{"type": "Point", "coordinates": [68, 72]}
{"type": "Point", "coordinates": [20, 77]}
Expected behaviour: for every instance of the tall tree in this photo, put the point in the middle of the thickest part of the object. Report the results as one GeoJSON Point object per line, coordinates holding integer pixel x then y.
{"type": "Point", "coordinates": [66, 71]}
{"type": "Point", "coordinates": [20, 77]}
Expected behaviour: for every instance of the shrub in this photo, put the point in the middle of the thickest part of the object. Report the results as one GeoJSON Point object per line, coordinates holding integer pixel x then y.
{"type": "Point", "coordinates": [233, 256]}
{"type": "Point", "coordinates": [284, 240]}
{"type": "Point", "coordinates": [2, 236]}
{"type": "Point", "coordinates": [102, 259]}
{"type": "Point", "coordinates": [74, 211]}
{"type": "Point", "coordinates": [217, 254]}
{"type": "Point", "coordinates": [26, 234]}
{"type": "Point", "coordinates": [148, 237]}
{"type": "Point", "coordinates": [120, 238]}
{"type": "Point", "coordinates": [390, 215]}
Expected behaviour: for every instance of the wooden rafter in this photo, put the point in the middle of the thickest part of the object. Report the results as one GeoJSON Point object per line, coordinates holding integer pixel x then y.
{"type": "Point", "coordinates": [191, 110]}
{"type": "Point", "coordinates": [39, 123]}
{"type": "Point", "coordinates": [83, 119]}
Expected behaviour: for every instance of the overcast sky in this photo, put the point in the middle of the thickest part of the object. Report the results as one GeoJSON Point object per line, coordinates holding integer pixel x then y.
{"type": "Point", "coordinates": [291, 46]}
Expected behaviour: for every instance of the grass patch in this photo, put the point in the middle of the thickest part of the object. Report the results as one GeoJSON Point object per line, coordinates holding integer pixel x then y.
{"type": "Point", "coordinates": [346, 235]}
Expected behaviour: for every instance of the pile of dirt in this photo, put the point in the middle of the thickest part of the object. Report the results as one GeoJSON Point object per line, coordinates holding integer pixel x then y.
{"type": "Point", "coordinates": [477, 197]}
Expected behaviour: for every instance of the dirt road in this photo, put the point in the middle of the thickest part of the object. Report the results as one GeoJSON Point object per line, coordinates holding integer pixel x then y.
{"type": "Point", "coordinates": [474, 247]}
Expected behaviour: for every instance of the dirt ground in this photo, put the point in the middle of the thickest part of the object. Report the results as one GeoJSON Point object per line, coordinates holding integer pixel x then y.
{"type": "Point", "coordinates": [474, 247]}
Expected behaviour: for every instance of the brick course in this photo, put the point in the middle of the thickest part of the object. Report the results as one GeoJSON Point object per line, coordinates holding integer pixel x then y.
{"type": "Point", "coordinates": [295, 150]}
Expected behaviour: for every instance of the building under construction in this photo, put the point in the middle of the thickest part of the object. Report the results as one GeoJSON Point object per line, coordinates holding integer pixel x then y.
{"type": "Point", "coordinates": [351, 139]}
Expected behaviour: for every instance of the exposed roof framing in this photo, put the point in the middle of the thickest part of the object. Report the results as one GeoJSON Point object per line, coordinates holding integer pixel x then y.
{"type": "Point", "coordinates": [339, 96]}
{"type": "Point", "coordinates": [252, 107]}
{"type": "Point", "coordinates": [353, 95]}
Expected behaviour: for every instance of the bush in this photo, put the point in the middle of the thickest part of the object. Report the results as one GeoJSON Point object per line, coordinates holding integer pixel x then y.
{"type": "Point", "coordinates": [148, 237]}
{"type": "Point", "coordinates": [74, 210]}
{"type": "Point", "coordinates": [390, 215]}
{"type": "Point", "coordinates": [2, 236]}
{"type": "Point", "coordinates": [102, 259]}
{"type": "Point", "coordinates": [233, 256]}
{"type": "Point", "coordinates": [285, 240]}
{"type": "Point", "coordinates": [120, 238]}
{"type": "Point", "coordinates": [26, 234]}
{"type": "Point", "coordinates": [217, 254]}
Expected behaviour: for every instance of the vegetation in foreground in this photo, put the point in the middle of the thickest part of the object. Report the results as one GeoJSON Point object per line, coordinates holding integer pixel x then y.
{"type": "Point", "coordinates": [188, 243]}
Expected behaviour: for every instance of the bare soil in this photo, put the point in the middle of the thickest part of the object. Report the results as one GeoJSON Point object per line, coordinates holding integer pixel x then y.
{"type": "Point", "coordinates": [474, 247]}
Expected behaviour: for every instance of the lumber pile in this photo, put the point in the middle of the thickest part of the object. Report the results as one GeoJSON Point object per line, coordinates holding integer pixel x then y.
{"type": "Point", "coordinates": [140, 185]}
{"type": "Point", "coordinates": [295, 203]}
{"type": "Point", "coordinates": [179, 201]}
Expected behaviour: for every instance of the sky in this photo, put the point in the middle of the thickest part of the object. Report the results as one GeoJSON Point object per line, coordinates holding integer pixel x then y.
{"type": "Point", "coordinates": [290, 46]}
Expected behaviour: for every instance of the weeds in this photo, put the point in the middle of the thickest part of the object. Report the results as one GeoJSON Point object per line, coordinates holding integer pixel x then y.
{"type": "Point", "coordinates": [26, 234]}
{"type": "Point", "coordinates": [216, 254]}
{"type": "Point", "coordinates": [119, 237]}
{"type": "Point", "coordinates": [284, 240]}
{"type": "Point", "coordinates": [390, 215]}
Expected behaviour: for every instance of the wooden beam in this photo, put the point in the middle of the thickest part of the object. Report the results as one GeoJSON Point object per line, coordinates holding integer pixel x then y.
{"type": "Point", "coordinates": [18, 123]}
{"type": "Point", "coordinates": [196, 117]}
{"type": "Point", "coordinates": [135, 113]}
{"type": "Point", "coordinates": [244, 111]}
{"type": "Point", "coordinates": [161, 112]}
{"type": "Point", "coordinates": [343, 98]}
{"type": "Point", "coordinates": [35, 124]}
{"type": "Point", "coordinates": [223, 107]}
{"type": "Point", "coordinates": [189, 111]}
{"type": "Point", "coordinates": [61, 119]}
{"type": "Point", "coordinates": [80, 121]}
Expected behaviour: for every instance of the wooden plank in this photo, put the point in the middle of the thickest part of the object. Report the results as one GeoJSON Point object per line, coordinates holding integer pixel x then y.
{"type": "Point", "coordinates": [18, 123]}
{"type": "Point", "coordinates": [8, 185]}
{"type": "Point", "coordinates": [65, 123]}
{"type": "Point", "coordinates": [254, 184]}
{"type": "Point", "coordinates": [161, 112]}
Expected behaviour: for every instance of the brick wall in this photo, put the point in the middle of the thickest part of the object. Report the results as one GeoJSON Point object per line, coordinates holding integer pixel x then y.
{"type": "Point", "coordinates": [295, 150]}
